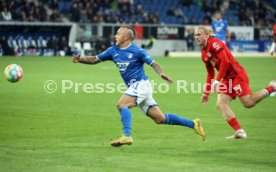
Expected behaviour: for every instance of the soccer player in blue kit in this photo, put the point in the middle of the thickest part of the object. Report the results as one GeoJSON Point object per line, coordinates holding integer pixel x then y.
{"type": "Point", "coordinates": [220, 28]}
{"type": "Point", "coordinates": [130, 60]}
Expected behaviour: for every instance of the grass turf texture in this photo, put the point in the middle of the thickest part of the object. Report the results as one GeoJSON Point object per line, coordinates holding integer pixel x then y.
{"type": "Point", "coordinates": [71, 132]}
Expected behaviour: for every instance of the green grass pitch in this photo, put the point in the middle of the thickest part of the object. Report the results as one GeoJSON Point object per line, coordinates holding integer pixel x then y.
{"type": "Point", "coordinates": [72, 131]}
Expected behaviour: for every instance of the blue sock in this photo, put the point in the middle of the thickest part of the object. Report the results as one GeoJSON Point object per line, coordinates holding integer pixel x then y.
{"type": "Point", "coordinates": [126, 120]}
{"type": "Point", "coordinates": [177, 120]}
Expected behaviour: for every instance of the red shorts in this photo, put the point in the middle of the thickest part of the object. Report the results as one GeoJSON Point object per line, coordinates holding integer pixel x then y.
{"type": "Point", "coordinates": [237, 86]}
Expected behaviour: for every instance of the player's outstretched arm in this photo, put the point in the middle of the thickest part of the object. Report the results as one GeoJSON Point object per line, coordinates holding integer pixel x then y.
{"type": "Point", "coordinates": [156, 66]}
{"type": "Point", "coordinates": [85, 60]}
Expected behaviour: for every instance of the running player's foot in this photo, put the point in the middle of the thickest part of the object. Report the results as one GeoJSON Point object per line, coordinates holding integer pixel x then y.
{"type": "Point", "coordinates": [273, 83]}
{"type": "Point", "coordinates": [124, 140]}
{"type": "Point", "coordinates": [271, 53]}
{"type": "Point", "coordinates": [199, 129]}
{"type": "Point", "coordinates": [239, 134]}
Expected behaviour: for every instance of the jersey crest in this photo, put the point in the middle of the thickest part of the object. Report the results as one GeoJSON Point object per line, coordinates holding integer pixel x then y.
{"type": "Point", "coordinates": [130, 55]}
{"type": "Point", "coordinates": [216, 46]}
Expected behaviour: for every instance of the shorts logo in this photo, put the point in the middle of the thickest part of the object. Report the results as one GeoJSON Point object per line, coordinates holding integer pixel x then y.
{"type": "Point", "coordinates": [122, 66]}
{"type": "Point", "coordinates": [209, 54]}
{"type": "Point", "coordinates": [238, 89]}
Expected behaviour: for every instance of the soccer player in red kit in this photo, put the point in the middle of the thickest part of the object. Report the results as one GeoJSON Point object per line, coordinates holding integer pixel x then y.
{"type": "Point", "coordinates": [231, 80]}
{"type": "Point", "coordinates": [272, 48]}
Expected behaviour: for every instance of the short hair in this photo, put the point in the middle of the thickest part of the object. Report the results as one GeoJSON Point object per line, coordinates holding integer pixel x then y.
{"type": "Point", "coordinates": [131, 32]}
{"type": "Point", "coordinates": [217, 12]}
{"type": "Point", "coordinates": [207, 30]}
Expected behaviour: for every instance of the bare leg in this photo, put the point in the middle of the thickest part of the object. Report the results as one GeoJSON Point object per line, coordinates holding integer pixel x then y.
{"type": "Point", "coordinates": [223, 103]}
{"type": "Point", "coordinates": [126, 101]}
{"type": "Point", "coordinates": [250, 101]}
{"type": "Point", "coordinates": [160, 118]}
{"type": "Point", "coordinates": [123, 106]}
{"type": "Point", "coordinates": [168, 118]}
{"type": "Point", "coordinates": [156, 115]}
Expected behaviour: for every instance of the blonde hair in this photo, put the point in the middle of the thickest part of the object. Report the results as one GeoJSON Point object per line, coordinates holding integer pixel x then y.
{"type": "Point", "coordinates": [207, 30]}
{"type": "Point", "coordinates": [130, 32]}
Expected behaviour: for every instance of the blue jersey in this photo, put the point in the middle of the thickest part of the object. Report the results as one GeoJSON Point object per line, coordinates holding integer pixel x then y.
{"type": "Point", "coordinates": [130, 62]}
{"type": "Point", "coordinates": [220, 29]}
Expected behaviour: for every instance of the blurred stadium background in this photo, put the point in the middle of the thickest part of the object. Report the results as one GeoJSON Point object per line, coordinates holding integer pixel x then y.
{"type": "Point", "coordinates": [52, 27]}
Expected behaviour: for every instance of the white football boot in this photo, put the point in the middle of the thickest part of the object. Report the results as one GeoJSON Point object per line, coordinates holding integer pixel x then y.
{"type": "Point", "coordinates": [239, 134]}
{"type": "Point", "coordinates": [273, 83]}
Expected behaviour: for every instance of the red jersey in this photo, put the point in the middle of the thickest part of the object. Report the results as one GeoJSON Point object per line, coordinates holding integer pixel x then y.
{"type": "Point", "coordinates": [217, 55]}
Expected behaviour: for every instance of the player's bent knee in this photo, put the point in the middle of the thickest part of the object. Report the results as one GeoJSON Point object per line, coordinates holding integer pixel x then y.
{"type": "Point", "coordinates": [159, 120]}
{"type": "Point", "coordinates": [248, 102]}
{"type": "Point", "coordinates": [156, 115]}
{"type": "Point", "coordinates": [119, 106]}
{"type": "Point", "coordinates": [128, 105]}
{"type": "Point", "coordinates": [249, 105]}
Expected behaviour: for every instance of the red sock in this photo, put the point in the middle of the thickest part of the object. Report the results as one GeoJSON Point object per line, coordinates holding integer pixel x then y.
{"type": "Point", "coordinates": [270, 89]}
{"type": "Point", "coordinates": [234, 123]}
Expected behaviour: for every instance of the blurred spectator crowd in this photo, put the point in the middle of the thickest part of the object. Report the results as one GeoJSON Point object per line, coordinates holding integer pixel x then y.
{"type": "Point", "coordinates": [245, 12]}
{"type": "Point", "coordinates": [20, 46]}
{"type": "Point", "coordinates": [51, 46]}
{"type": "Point", "coordinates": [23, 10]}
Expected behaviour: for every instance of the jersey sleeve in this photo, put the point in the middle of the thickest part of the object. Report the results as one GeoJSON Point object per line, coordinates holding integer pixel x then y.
{"type": "Point", "coordinates": [145, 57]}
{"type": "Point", "coordinates": [215, 47]}
{"type": "Point", "coordinates": [106, 55]}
